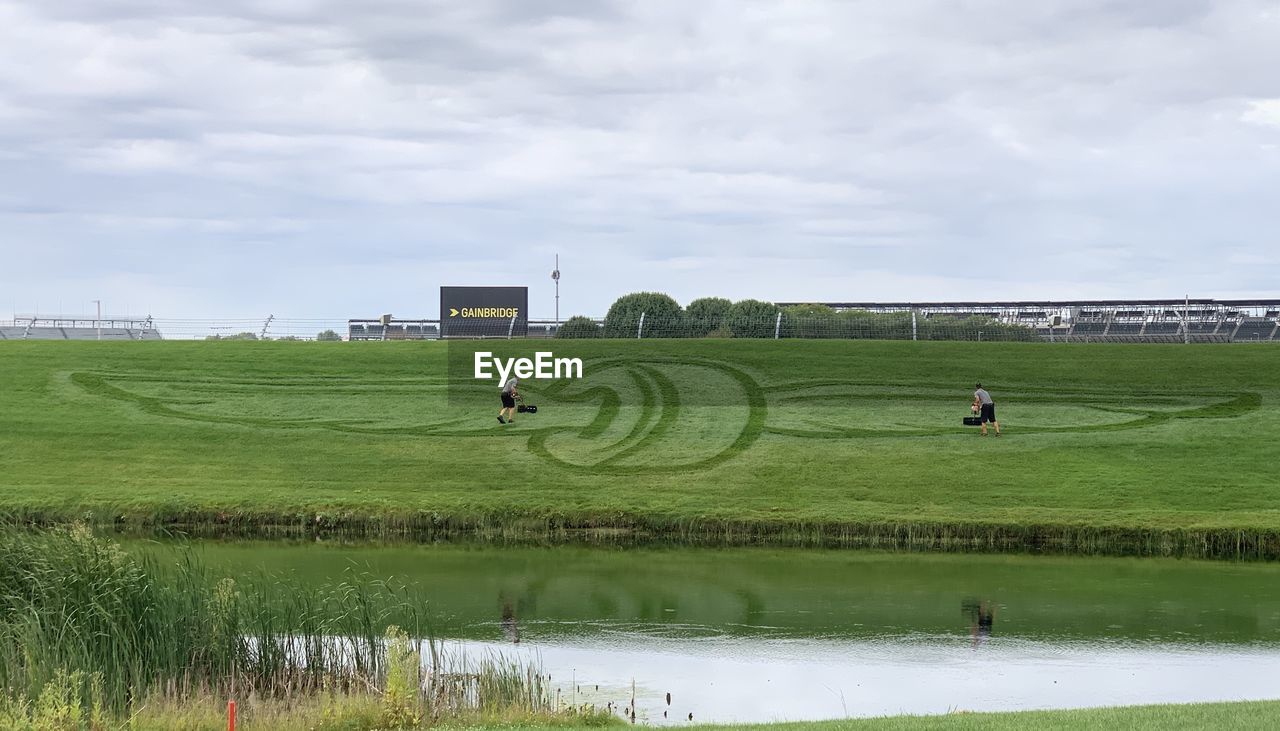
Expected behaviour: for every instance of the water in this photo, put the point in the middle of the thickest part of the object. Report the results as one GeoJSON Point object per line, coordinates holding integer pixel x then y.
{"type": "Point", "coordinates": [789, 634]}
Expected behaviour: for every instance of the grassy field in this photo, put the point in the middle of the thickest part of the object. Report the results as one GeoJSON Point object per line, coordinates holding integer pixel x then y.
{"type": "Point", "coordinates": [1138, 449]}
{"type": "Point", "coordinates": [1207, 716]}
{"type": "Point", "coordinates": [354, 715]}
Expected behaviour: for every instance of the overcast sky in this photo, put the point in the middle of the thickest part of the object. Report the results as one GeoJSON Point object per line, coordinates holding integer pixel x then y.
{"type": "Point", "coordinates": [307, 159]}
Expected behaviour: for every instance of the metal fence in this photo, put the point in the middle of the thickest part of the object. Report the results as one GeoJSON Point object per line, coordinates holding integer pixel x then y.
{"type": "Point", "coordinates": [850, 325]}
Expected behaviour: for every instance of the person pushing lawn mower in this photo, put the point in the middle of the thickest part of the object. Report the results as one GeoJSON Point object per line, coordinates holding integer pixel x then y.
{"type": "Point", "coordinates": [985, 407]}
{"type": "Point", "coordinates": [509, 395]}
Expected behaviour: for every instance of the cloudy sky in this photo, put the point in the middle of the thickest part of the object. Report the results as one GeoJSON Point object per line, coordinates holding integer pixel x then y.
{"type": "Point", "coordinates": [329, 158]}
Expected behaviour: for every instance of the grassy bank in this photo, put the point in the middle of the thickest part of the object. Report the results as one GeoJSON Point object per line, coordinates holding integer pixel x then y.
{"type": "Point", "coordinates": [1167, 450]}
{"type": "Point", "coordinates": [1206, 716]}
{"type": "Point", "coordinates": [327, 714]}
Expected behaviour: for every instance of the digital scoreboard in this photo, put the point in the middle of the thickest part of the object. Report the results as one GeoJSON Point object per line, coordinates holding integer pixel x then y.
{"type": "Point", "coordinates": [484, 312]}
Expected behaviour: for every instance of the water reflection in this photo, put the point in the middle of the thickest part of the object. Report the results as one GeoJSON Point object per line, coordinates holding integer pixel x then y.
{"type": "Point", "coordinates": [539, 594]}
{"type": "Point", "coordinates": [738, 680]}
{"type": "Point", "coordinates": [982, 617]}
{"type": "Point", "coordinates": [758, 635]}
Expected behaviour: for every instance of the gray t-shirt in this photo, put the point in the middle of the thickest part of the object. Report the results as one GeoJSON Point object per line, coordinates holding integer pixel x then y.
{"type": "Point", "coordinates": [982, 396]}
{"type": "Point", "coordinates": [511, 386]}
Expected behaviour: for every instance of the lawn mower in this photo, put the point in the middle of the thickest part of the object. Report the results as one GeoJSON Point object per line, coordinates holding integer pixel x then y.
{"type": "Point", "coordinates": [523, 408]}
{"type": "Point", "coordinates": [974, 419]}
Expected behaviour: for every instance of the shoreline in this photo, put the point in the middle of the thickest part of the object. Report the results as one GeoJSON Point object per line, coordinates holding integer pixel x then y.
{"type": "Point", "coordinates": [621, 530]}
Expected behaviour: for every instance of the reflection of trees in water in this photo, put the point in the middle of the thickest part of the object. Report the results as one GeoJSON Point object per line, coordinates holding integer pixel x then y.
{"type": "Point", "coordinates": [753, 607]}
{"type": "Point", "coordinates": [982, 618]}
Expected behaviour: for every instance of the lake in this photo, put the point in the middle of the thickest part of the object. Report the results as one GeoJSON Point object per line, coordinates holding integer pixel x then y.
{"type": "Point", "coordinates": [746, 634]}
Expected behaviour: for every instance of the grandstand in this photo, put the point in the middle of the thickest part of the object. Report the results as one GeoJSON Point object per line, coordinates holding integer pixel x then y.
{"type": "Point", "coordinates": [365, 329]}
{"type": "Point", "coordinates": [1181, 320]}
{"type": "Point", "coordinates": [79, 327]}
{"type": "Point", "coordinates": [1121, 321]}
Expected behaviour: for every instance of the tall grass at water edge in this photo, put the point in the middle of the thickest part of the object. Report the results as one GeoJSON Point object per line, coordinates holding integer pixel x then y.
{"type": "Point", "coordinates": [89, 633]}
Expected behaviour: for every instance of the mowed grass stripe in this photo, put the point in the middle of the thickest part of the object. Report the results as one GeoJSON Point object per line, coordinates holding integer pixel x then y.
{"type": "Point", "coordinates": [1114, 448]}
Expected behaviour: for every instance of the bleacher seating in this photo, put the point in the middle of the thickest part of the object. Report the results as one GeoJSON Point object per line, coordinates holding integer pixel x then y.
{"type": "Point", "coordinates": [1089, 328]}
{"type": "Point", "coordinates": [78, 333]}
{"type": "Point", "coordinates": [1163, 328]}
{"type": "Point", "coordinates": [1255, 328]}
{"type": "Point", "coordinates": [1125, 328]}
{"type": "Point", "coordinates": [406, 330]}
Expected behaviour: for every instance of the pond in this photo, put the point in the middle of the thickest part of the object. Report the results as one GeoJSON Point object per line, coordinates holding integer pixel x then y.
{"type": "Point", "coordinates": [750, 634]}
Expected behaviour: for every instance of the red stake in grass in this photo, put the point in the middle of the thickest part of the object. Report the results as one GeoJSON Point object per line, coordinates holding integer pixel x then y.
{"type": "Point", "coordinates": [231, 716]}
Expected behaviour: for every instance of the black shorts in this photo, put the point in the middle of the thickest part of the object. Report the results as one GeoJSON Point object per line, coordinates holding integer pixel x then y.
{"type": "Point", "coordinates": [508, 402]}
{"type": "Point", "coordinates": [988, 412]}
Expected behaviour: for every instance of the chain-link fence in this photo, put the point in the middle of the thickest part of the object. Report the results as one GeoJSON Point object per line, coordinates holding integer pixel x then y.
{"type": "Point", "coordinates": [843, 325]}
{"type": "Point", "coordinates": [852, 325]}
{"type": "Point", "coordinates": [68, 327]}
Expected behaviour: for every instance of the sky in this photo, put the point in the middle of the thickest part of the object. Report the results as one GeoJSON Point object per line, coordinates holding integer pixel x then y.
{"type": "Point", "coordinates": [186, 158]}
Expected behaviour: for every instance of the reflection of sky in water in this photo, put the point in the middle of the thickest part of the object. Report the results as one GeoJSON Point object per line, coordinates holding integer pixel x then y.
{"type": "Point", "coordinates": [721, 678]}
{"type": "Point", "coordinates": [772, 634]}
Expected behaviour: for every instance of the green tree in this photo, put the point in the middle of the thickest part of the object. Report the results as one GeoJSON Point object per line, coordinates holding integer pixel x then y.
{"type": "Point", "coordinates": [663, 317]}
{"type": "Point", "coordinates": [810, 321]}
{"type": "Point", "coordinates": [752, 319]}
{"type": "Point", "coordinates": [976, 327]}
{"type": "Point", "coordinates": [706, 315]}
{"type": "Point", "coordinates": [578, 327]}
{"type": "Point", "coordinates": [875, 325]}
{"type": "Point", "coordinates": [328, 335]}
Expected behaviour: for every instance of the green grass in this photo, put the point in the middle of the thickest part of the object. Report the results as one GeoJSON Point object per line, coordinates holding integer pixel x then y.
{"type": "Point", "coordinates": [1108, 448]}
{"type": "Point", "coordinates": [364, 714]}
{"type": "Point", "coordinates": [1207, 716]}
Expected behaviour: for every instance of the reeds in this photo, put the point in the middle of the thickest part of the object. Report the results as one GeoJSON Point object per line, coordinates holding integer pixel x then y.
{"type": "Point", "coordinates": [92, 631]}
{"type": "Point", "coordinates": [1242, 543]}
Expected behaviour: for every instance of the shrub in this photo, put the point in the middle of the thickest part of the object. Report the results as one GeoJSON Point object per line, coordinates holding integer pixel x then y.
{"type": "Point", "coordinates": [578, 327]}
{"type": "Point", "coordinates": [663, 317]}
{"type": "Point", "coordinates": [752, 319]}
{"type": "Point", "coordinates": [876, 325]}
{"type": "Point", "coordinates": [328, 335]}
{"type": "Point", "coordinates": [809, 321]}
{"type": "Point", "coordinates": [706, 315]}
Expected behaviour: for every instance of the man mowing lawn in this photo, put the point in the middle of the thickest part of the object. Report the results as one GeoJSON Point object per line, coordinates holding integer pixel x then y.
{"type": "Point", "coordinates": [983, 404]}
{"type": "Point", "coordinates": [509, 396]}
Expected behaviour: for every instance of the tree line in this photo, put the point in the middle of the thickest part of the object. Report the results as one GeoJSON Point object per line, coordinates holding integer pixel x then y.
{"type": "Point", "coordinates": [717, 317]}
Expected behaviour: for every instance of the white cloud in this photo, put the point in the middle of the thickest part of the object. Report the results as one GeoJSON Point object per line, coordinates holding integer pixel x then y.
{"type": "Point", "coordinates": [797, 146]}
{"type": "Point", "coordinates": [1263, 111]}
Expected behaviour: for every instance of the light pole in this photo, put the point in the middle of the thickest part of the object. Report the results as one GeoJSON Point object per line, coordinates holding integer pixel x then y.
{"type": "Point", "coordinates": [98, 321]}
{"type": "Point", "coordinates": [555, 275]}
